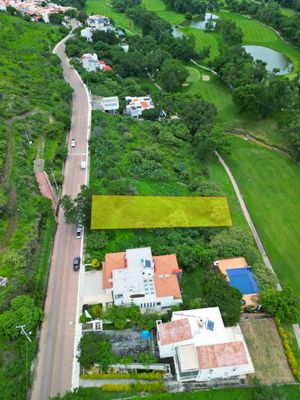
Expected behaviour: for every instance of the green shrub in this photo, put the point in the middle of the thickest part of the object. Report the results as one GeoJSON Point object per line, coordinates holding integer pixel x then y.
{"type": "Point", "coordinates": [288, 351]}
{"type": "Point", "coordinates": [150, 376]}
{"type": "Point", "coordinates": [154, 387]}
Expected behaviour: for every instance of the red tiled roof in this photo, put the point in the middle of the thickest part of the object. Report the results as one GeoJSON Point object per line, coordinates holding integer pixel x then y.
{"type": "Point", "coordinates": [112, 261]}
{"type": "Point", "coordinates": [174, 331]}
{"type": "Point", "coordinates": [222, 355]}
{"type": "Point", "coordinates": [165, 276]}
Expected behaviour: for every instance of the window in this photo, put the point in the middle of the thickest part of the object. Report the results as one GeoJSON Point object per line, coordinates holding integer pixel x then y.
{"type": "Point", "coordinates": [158, 303]}
{"type": "Point", "coordinates": [118, 296]}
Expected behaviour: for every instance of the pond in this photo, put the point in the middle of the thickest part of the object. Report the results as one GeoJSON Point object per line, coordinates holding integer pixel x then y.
{"type": "Point", "coordinates": [201, 24]}
{"type": "Point", "coordinates": [272, 58]}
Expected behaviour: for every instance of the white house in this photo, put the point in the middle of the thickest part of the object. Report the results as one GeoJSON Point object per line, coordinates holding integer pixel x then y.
{"type": "Point", "coordinates": [136, 105]}
{"type": "Point", "coordinates": [100, 22]}
{"type": "Point", "coordinates": [91, 63]}
{"type": "Point", "coordinates": [202, 348]}
{"type": "Point", "coordinates": [137, 277]}
{"type": "Point", "coordinates": [109, 104]}
{"type": "Point", "coordinates": [87, 33]}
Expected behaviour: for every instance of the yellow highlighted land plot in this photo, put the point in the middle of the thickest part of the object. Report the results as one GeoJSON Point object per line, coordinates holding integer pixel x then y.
{"type": "Point", "coordinates": [129, 212]}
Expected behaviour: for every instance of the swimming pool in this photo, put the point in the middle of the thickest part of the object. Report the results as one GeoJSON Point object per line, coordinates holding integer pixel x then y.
{"type": "Point", "coordinates": [243, 279]}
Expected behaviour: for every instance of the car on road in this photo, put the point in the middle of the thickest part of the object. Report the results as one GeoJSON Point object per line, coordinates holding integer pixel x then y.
{"type": "Point", "coordinates": [76, 263]}
{"type": "Point", "coordinates": [83, 165]}
{"type": "Point", "coordinates": [78, 232]}
{"type": "Point", "coordinates": [73, 142]}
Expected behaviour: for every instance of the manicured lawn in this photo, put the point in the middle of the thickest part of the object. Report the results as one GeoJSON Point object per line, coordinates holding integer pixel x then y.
{"type": "Point", "coordinates": [257, 33]}
{"type": "Point", "coordinates": [270, 184]}
{"type": "Point", "coordinates": [205, 39]}
{"type": "Point", "coordinates": [287, 11]}
{"type": "Point", "coordinates": [161, 9]}
{"type": "Point", "coordinates": [103, 7]}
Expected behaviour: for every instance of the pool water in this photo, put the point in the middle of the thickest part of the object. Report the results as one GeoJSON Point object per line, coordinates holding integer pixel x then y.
{"type": "Point", "coordinates": [243, 279]}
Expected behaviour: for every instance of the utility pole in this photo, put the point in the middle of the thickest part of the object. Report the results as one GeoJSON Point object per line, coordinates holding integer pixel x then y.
{"type": "Point", "coordinates": [23, 332]}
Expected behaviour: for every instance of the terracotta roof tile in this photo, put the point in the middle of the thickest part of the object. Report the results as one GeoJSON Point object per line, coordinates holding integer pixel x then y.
{"type": "Point", "coordinates": [112, 261]}
{"type": "Point", "coordinates": [165, 276]}
{"type": "Point", "coordinates": [222, 355]}
{"type": "Point", "coordinates": [174, 331]}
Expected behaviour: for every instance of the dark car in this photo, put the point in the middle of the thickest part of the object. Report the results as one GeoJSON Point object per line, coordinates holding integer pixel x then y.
{"type": "Point", "coordinates": [76, 263]}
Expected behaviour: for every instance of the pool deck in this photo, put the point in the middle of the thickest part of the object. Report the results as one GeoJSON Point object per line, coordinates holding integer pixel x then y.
{"type": "Point", "coordinates": [235, 263]}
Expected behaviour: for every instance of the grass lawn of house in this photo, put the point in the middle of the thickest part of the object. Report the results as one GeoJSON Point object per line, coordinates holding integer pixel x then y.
{"type": "Point", "coordinates": [267, 355]}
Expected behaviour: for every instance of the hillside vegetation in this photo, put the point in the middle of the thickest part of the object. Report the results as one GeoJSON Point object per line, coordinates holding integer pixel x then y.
{"type": "Point", "coordinates": [35, 115]}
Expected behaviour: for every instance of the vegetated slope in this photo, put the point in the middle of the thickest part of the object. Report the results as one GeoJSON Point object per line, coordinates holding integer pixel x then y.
{"type": "Point", "coordinates": [270, 184]}
{"type": "Point", "coordinates": [35, 116]}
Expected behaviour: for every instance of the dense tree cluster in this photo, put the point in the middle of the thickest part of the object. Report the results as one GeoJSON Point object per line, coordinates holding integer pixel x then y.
{"type": "Point", "coordinates": [231, 33]}
{"type": "Point", "coordinates": [192, 6]}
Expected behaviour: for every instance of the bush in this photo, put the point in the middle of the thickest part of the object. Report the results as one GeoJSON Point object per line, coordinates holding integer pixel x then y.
{"type": "Point", "coordinates": [288, 351]}
{"type": "Point", "coordinates": [155, 387]}
{"type": "Point", "coordinates": [150, 376]}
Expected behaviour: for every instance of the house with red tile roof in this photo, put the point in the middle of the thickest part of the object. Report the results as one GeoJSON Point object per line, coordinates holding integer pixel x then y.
{"type": "Point", "coordinates": [137, 277]}
{"type": "Point", "coordinates": [136, 105]}
{"type": "Point", "coordinates": [91, 63]}
{"type": "Point", "coordinates": [202, 348]}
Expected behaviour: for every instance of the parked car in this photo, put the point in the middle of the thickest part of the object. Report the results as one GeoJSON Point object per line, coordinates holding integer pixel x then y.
{"type": "Point", "coordinates": [73, 142]}
{"type": "Point", "coordinates": [76, 263]}
{"type": "Point", "coordinates": [83, 165]}
{"type": "Point", "coordinates": [78, 232]}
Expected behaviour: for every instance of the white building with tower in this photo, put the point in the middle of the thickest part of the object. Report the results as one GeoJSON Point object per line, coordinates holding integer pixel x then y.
{"type": "Point", "coordinates": [202, 348]}
{"type": "Point", "coordinates": [137, 277]}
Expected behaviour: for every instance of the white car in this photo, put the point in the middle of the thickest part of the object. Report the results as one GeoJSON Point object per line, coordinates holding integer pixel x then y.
{"type": "Point", "coordinates": [73, 142]}
{"type": "Point", "coordinates": [78, 232]}
{"type": "Point", "coordinates": [83, 165]}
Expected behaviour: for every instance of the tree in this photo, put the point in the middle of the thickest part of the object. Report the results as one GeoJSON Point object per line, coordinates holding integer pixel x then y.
{"type": "Point", "coordinates": [172, 75]}
{"type": "Point", "coordinates": [210, 141]}
{"type": "Point", "coordinates": [56, 18]}
{"type": "Point", "coordinates": [78, 210]}
{"type": "Point", "coordinates": [281, 304]}
{"type": "Point", "coordinates": [95, 348]}
{"type": "Point", "coordinates": [22, 312]}
{"type": "Point", "coordinates": [216, 292]}
{"type": "Point", "coordinates": [293, 132]}
{"type": "Point", "coordinates": [82, 17]}
{"type": "Point", "coordinates": [197, 113]}
{"type": "Point", "coordinates": [234, 242]}
{"type": "Point", "coordinates": [151, 114]}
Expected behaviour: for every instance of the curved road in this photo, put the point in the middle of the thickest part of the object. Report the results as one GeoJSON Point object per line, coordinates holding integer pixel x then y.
{"type": "Point", "coordinates": [56, 346]}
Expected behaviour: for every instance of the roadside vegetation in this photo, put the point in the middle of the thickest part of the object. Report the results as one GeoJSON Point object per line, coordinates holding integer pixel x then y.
{"type": "Point", "coordinates": [35, 114]}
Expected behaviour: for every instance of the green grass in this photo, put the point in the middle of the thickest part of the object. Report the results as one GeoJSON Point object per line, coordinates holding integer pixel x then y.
{"type": "Point", "coordinates": [256, 33]}
{"type": "Point", "coordinates": [288, 12]}
{"type": "Point", "coordinates": [270, 184]}
{"type": "Point", "coordinates": [104, 7]}
{"type": "Point", "coordinates": [159, 7]}
{"type": "Point", "coordinates": [285, 392]}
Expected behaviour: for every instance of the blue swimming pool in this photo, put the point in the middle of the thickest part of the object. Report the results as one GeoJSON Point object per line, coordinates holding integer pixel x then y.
{"type": "Point", "coordinates": [243, 279]}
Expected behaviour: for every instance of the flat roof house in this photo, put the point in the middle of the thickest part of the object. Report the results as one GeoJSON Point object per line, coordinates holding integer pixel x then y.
{"type": "Point", "coordinates": [202, 348]}
{"type": "Point", "coordinates": [100, 22]}
{"type": "Point", "coordinates": [137, 277]}
{"type": "Point", "coordinates": [136, 105]}
{"type": "Point", "coordinates": [109, 105]}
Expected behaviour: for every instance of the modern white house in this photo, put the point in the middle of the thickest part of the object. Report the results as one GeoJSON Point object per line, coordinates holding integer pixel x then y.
{"type": "Point", "coordinates": [202, 348]}
{"type": "Point", "coordinates": [109, 105]}
{"type": "Point", "coordinates": [136, 105]}
{"type": "Point", "coordinates": [100, 23]}
{"type": "Point", "coordinates": [91, 63]}
{"type": "Point", "coordinates": [137, 277]}
{"type": "Point", "coordinates": [87, 33]}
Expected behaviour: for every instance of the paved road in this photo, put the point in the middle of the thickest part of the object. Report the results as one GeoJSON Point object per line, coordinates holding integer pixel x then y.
{"type": "Point", "coordinates": [56, 347]}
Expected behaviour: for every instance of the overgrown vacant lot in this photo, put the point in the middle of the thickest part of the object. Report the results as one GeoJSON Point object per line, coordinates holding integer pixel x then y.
{"type": "Point", "coordinates": [267, 354]}
{"type": "Point", "coordinates": [270, 184]}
